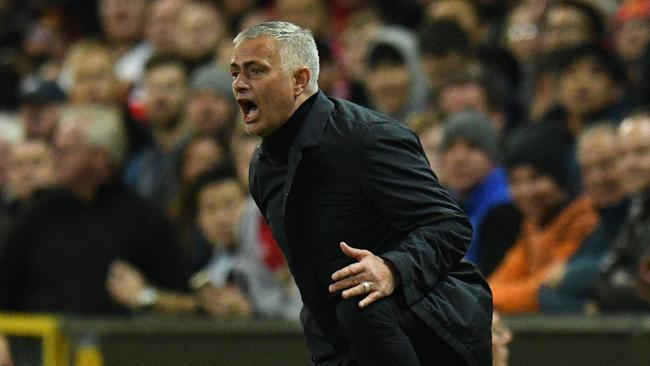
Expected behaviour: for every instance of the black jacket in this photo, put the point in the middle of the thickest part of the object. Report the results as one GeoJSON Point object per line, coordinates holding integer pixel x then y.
{"type": "Point", "coordinates": [58, 252]}
{"type": "Point", "coordinates": [354, 175]}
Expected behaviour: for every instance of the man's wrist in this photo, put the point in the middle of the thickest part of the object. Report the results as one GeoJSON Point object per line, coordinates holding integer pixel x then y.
{"type": "Point", "coordinates": [393, 271]}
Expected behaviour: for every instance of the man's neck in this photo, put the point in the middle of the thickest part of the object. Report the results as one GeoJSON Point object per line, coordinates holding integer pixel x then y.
{"type": "Point", "coordinates": [280, 141]}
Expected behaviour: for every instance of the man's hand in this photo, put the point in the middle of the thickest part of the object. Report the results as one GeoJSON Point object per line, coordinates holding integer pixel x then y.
{"type": "Point", "coordinates": [5, 352]}
{"type": "Point", "coordinates": [124, 282]}
{"type": "Point", "coordinates": [371, 276]}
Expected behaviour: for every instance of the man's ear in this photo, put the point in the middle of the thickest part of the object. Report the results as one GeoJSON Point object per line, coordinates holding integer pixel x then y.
{"type": "Point", "coordinates": [301, 78]}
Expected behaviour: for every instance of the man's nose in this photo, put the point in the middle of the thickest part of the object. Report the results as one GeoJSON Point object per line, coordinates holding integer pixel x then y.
{"type": "Point", "coordinates": [239, 83]}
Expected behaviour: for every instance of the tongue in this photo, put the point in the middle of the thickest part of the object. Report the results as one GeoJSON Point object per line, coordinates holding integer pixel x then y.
{"type": "Point", "coordinates": [251, 115]}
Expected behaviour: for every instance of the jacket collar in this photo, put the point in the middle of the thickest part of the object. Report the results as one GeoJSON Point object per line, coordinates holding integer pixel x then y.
{"type": "Point", "coordinates": [312, 127]}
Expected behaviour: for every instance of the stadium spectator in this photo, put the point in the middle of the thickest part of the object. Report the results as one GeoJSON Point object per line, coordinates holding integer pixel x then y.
{"type": "Point", "coordinates": [394, 82]}
{"type": "Point", "coordinates": [211, 108]}
{"type": "Point", "coordinates": [473, 174]}
{"type": "Point", "coordinates": [31, 168]}
{"type": "Point", "coordinates": [569, 23]}
{"type": "Point", "coordinates": [200, 29]}
{"type": "Point", "coordinates": [123, 27]}
{"type": "Point", "coordinates": [199, 155]}
{"type": "Point", "coordinates": [91, 79]}
{"type": "Point", "coordinates": [153, 171]}
{"type": "Point", "coordinates": [570, 285]}
{"type": "Point", "coordinates": [93, 219]}
{"type": "Point", "coordinates": [463, 12]}
{"type": "Point", "coordinates": [161, 25]}
{"type": "Point", "coordinates": [623, 278]}
{"type": "Point", "coordinates": [632, 35]}
{"type": "Point", "coordinates": [554, 224]}
{"type": "Point", "coordinates": [591, 87]}
{"type": "Point", "coordinates": [446, 51]}
{"type": "Point", "coordinates": [473, 91]}
{"type": "Point", "coordinates": [40, 108]}
{"type": "Point", "coordinates": [220, 288]}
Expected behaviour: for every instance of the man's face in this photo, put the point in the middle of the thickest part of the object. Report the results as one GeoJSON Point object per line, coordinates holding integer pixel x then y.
{"type": "Point", "coordinates": [263, 88]}
{"type": "Point", "coordinates": [219, 209]}
{"type": "Point", "coordinates": [161, 24]}
{"type": "Point", "coordinates": [39, 121]}
{"type": "Point", "coordinates": [389, 86]}
{"type": "Point", "coordinates": [31, 167]}
{"type": "Point", "coordinates": [631, 39]}
{"type": "Point", "coordinates": [440, 68]}
{"type": "Point", "coordinates": [166, 92]}
{"type": "Point", "coordinates": [460, 11]}
{"type": "Point", "coordinates": [122, 19]}
{"type": "Point", "coordinates": [598, 156]}
{"type": "Point", "coordinates": [455, 98]}
{"type": "Point", "coordinates": [200, 156]}
{"type": "Point", "coordinates": [585, 87]}
{"type": "Point", "coordinates": [199, 30]}
{"type": "Point", "coordinates": [634, 139]}
{"type": "Point", "coordinates": [464, 166]}
{"type": "Point", "coordinates": [535, 194]}
{"type": "Point", "coordinates": [211, 114]}
{"type": "Point", "coordinates": [94, 80]}
{"type": "Point", "coordinates": [74, 158]}
{"type": "Point", "coordinates": [564, 27]}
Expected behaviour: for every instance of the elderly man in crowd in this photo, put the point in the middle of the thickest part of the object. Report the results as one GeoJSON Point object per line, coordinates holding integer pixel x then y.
{"type": "Point", "coordinates": [624, 283]}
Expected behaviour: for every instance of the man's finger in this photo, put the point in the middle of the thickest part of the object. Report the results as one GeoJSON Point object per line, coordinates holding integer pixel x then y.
{"type": "Point", "coordinates": [372, 297]}
{"type": "Point", "coordinates": [347, 271]}
{"type": "Point", "coordinates": [355, 253]}
{"type": "Point", "coordinates": [345, 283]}
{"type": "Point", "coordinates": [358, 290]}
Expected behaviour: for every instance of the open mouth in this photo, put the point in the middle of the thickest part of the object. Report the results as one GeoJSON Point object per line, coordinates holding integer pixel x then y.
{"type": "Point", "coordinates": [248, 109]}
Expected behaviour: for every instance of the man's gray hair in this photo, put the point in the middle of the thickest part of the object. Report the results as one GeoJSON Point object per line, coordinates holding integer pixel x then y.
{"type": "Point", "coordinates": [100, 127]}
{"type": "Point", "coordinates": [297, 46]}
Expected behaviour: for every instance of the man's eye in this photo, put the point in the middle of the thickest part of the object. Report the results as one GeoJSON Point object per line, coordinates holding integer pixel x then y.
{"type": "Point", "coordinates": [234, 74]}
{"type": "Point", "coordinates": [256, 70]}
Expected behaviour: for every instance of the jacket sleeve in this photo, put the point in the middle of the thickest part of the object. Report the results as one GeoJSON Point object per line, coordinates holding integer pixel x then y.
{"type": "Point", "coordinates": [396, 177]}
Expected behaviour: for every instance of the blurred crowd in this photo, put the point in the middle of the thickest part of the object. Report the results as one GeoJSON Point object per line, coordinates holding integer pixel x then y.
{"type": "Point", "coordinates": [123, 167]}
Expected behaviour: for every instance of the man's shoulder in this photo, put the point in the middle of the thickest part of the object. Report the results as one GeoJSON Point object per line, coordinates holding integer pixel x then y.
{"type": "Point", "coordinates": [363, 120]}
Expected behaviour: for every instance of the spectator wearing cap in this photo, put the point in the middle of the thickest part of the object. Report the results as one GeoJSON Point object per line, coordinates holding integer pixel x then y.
{"type": "Point", "coordinates": [211, 109]}
{"type": "Point", "coordinates": [475, 178]}
{"type": "Point", "coordinates": [41, 105]}
{"type": "Point", "coordinates": [554, 224]}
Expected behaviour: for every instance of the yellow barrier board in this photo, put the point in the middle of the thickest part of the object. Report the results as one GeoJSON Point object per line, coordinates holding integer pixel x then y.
{"type": "Point", "coordinates": [46, 327]}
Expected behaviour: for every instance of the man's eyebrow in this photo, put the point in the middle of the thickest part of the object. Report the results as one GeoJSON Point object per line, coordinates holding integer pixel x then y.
{"type": "Point", "coordinates": [245, 64]}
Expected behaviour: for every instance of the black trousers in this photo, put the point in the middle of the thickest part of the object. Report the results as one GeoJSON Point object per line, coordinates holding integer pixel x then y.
{"type": "Point", "coordinates": [385, 333]}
